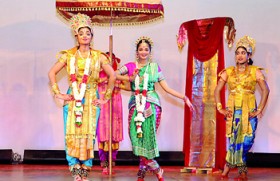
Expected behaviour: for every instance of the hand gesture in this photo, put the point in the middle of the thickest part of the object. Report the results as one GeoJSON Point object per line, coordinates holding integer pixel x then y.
{"type": "Point", "coordinates": [65, 97]}
{"type": "Point", "coordinates": [188, 102]}
{"type": "Point", "coordinates": [98, 102]}
{"type": "Point", "coordinates": [255, 113]}
{"type": "Point", "coordinates": [132, 77]}
{"type": "Point", "coordinates": [226, 113]}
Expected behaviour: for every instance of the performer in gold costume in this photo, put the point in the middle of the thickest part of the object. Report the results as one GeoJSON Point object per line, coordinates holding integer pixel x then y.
{"type": "Point", "coordinates": [241, 111]}
{"type": "Point", "coordinates": [81, 109]}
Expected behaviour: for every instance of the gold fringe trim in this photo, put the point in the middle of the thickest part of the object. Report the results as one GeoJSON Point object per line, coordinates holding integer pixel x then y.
{"type": "Point", "coordinates": [154, 14]}
{"type": "Point", "coordinates": [128, 23]}
{"type": "Point", "coordinates": [87, 136]}
{"type": "Point", "coordinates": [123, 9]}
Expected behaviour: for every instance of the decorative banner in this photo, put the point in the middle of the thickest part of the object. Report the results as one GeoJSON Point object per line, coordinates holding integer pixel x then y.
{"type": "Point", "coordinates": [102, 13]}
{"type": "Point", "coordinates": [204, 132]}
{"type": "Point", "coordinates": [205, 25]}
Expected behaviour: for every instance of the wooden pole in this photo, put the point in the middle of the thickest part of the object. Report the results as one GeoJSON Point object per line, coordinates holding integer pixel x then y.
{"type": "Point", "coordinates": [110, 123]}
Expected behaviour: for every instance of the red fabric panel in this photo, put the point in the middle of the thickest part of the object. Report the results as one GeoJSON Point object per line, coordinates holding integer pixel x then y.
{"type": "Point", "coordinates": [204, 48]}
{"type": "Point", "coordinates": [220, 122]}
{"type": "Point", "coordinates": [187, 114]}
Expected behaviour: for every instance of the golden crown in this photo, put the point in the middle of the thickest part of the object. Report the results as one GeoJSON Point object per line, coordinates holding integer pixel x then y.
{"type": "Point", "coordinates": [247, 42]}
{"type": "Point", "coordinates": [80, 20]}
{"type": "Point", "coordinates": [142, 38]}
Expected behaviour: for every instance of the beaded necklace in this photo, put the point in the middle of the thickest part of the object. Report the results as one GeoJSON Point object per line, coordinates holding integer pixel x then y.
{"type": "Point", "coordinates": [140, 99]}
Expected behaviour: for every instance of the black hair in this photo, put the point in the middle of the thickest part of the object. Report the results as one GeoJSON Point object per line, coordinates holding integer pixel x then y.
{"type": "Point", "coordinates": [146, 41]}
{"type": "Point", "coordinates": [108, 53]}
{"type": "Point", "coordinates": [250, 61]}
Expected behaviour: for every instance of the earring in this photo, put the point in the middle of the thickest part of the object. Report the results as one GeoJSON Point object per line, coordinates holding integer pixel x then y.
{"type": "Point", "coordinates": [150, 58]}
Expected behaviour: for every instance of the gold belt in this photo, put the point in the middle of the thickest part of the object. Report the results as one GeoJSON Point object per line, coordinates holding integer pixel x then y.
{"type": "Point", "coordinates": [238, 91]}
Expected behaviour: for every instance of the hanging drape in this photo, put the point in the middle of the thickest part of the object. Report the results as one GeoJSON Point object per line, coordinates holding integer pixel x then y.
{"type": "Point", "coordinates": [205, 39]}
{"type": "Point", "coordinates": [117, 12]}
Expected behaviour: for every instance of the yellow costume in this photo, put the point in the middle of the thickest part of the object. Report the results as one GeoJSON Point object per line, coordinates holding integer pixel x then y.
{"type": "Point", "coordinates": [80, 140]}
{"type": "Point", "coordinates": [242, 95]}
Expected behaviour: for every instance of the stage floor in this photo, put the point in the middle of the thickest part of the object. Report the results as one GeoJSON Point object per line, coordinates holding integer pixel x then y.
{"type": "Point", "coordinates": [27, 172]}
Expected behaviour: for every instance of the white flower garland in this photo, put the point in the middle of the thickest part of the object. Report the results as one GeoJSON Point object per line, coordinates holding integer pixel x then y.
{"type": "Point", "coordinates": [140, 102]}
{"type": "Point", "coordinates": [79, 95]}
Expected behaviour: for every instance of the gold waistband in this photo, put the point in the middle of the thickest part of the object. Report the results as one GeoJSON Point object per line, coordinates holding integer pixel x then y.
{"type": "Point", "coordinates": [241, 91]}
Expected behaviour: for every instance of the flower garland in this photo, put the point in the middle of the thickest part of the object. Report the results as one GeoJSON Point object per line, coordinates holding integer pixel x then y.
{"type": "Point", "coordinates": [78, 96]}
{"type": "Point", "coordinates": [140, 102]}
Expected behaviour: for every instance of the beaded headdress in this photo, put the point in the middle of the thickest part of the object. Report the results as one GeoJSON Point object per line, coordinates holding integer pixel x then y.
{"type": "Point", "coordinates": [80, 20]}
{"type": "Point", "coordinates": [142, 40]}
{"type": "Point", "coordinates": [247, 42]}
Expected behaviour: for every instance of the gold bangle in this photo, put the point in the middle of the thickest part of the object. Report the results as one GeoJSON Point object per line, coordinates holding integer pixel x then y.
{"type": "Point", "coordinates": [260, 107]}
{"type": "Point", "coordinates": [219, 106]}
{"type": "Point", "coordinates": [55, 89]}
{"type": "Point", "coordinates": [108, 94]}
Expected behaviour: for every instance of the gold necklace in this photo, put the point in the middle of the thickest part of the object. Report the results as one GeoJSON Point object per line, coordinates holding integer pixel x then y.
{"type": "Point", "coordinates": [140, 65]}
{"type": "Point", "coordinates": [80, 54]}
{"type": "Point", "coordinates": [241, 74]}
{"type": "Point", "coordinates": [241, 68]}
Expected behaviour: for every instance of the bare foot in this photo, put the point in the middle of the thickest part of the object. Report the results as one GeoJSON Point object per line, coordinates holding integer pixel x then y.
{"type": "Point", "coordinates": [85, 179]}
{"type": "Point", "coordinates": [160, 175]}
{"type": "Point", "coordinates": [241, 177]}
{"type": "Point", "coordinates": [105, 171]}
{"type": "Point", "coordinates": [77, 178]}
{"type": "Point", "coordinates": [225, 172]}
